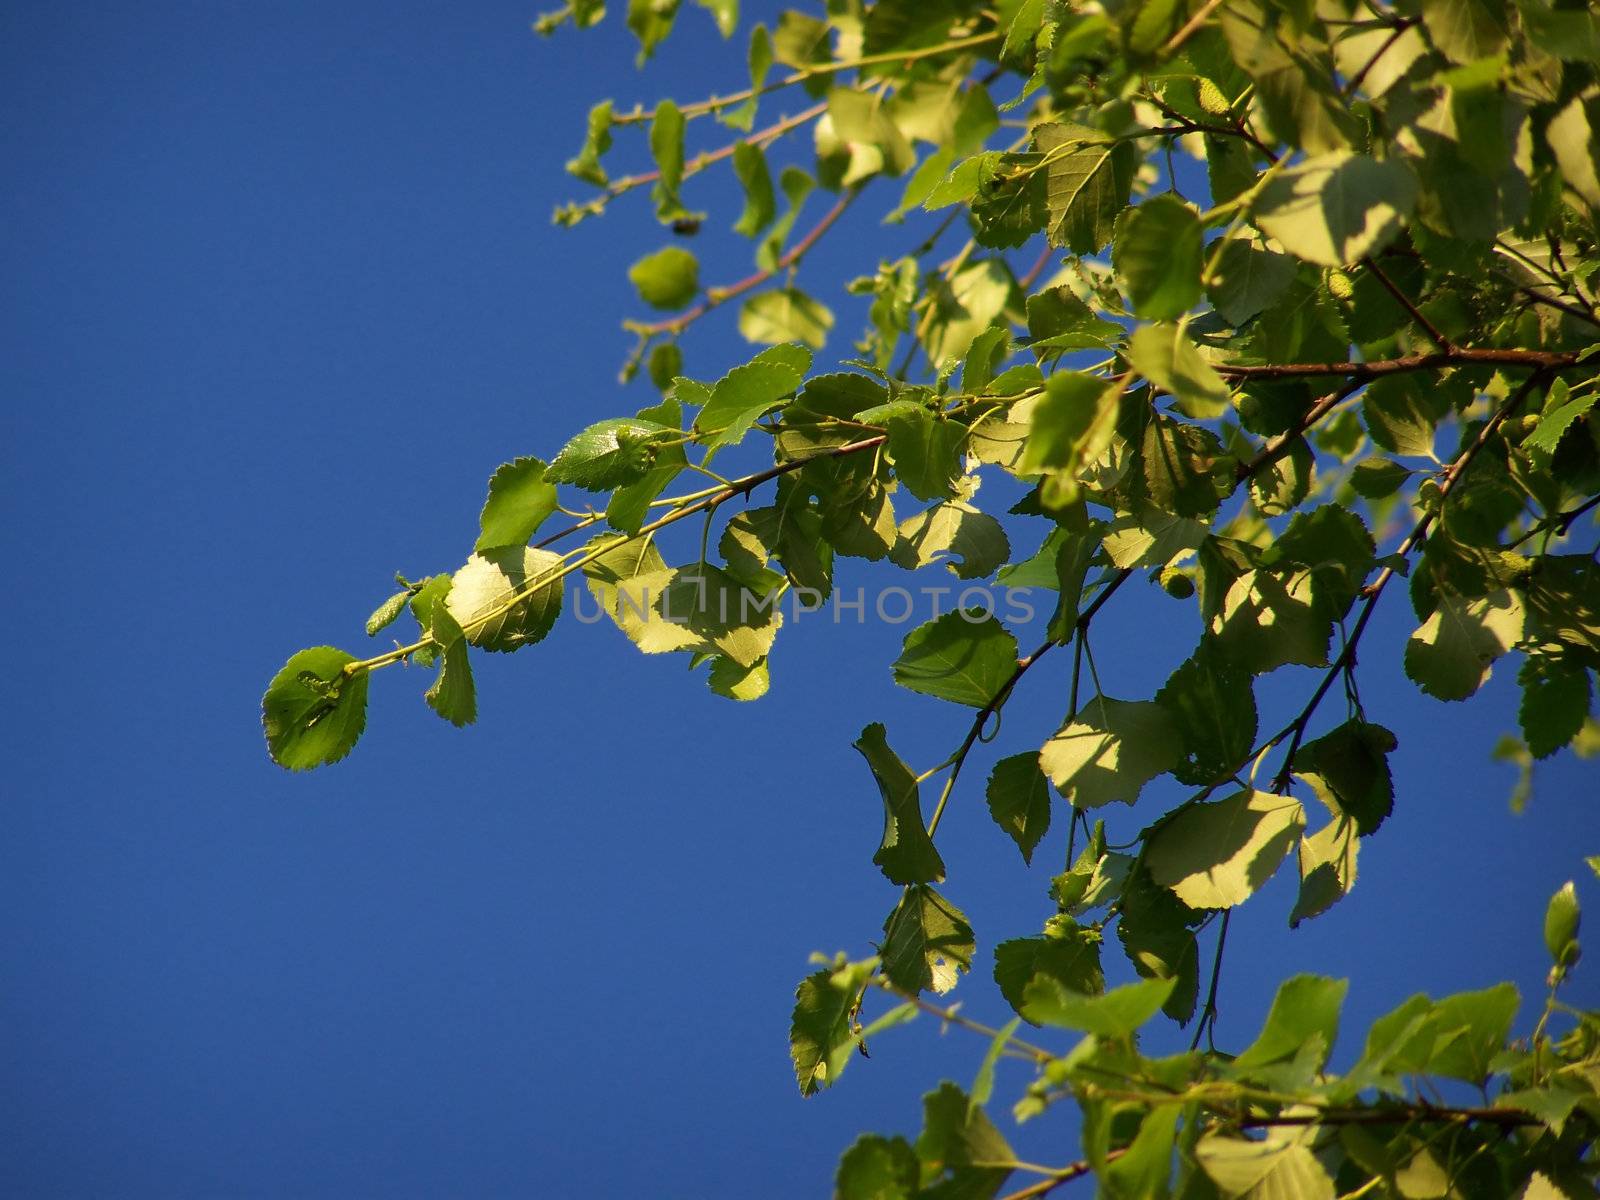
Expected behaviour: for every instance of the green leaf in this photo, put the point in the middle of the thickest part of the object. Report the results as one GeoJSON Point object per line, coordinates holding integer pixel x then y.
{"type": "Point", "coordinates": [1157, 255]}
{"type": "Point", "coordinates": [1058, 321]}
{"type": "Point", "coordinates": [453, 695]}
{"type": "Point", "coordinates": [519, 501]}
{"type": "Point", "coordinates": [1145, 1166]}
{"type": "Point", "coordinates": [668, 279]}
{"type": "Point", "coordinates": [1555, 702]}
{"type": "Point", "coordinates": [1110, 751]}
{"type": "Point", "coordinates": [313, 711]}
{"type": "Point", "coordinates": [876, 1168]}
{"type": "Point", "coordinates": [490, 597]}
{"type": "Point", "coordinates": [1560, 415]}
{"type": "Point", "coordinates": [1561, 925]}
{"type": "Point", "coordinates": [1183, 466]}
{"type": "Point", "coordinates": [725, 13]}
{"type": "Point", "coordinates": [1465, 30]}
{"type": "Point", "coordinates": [722, 613]}
{"type": "Point", "coordinates": [1213, 709]}
{"type": "Point", "coordinates": [1157, 933]}
{"type": "Point", "coordinates": [586, 166]}
{"type": "Point", "coordinates": [1087, 181]}
{"type": "Point", "coordinates": [1248, 279]}
{"type": "Point", "coordinates": [1572, 136]}
{"type": "Point", "coordinates": [749, 390]}
{"type": "Point", "coordinates": [1484, 1019]}
{"type": "Point", "coordinates": [1019, 801]}
{"type": "Point", "coordinates": [1334, 545]}
{"type": "Point", "coordinates": [666, 147]}
{"type": "Point", "coordinates": [1450, 656]}
{"type": "Point", "coordinates": [956, 1135]}
{"type": "Point", "coordinates": [651, 21]}
{"type": "Point", "coordinates": [970, 543]}
{"type": "Point", "coordinates": [1268, 619]}
{"type": "Point", "coordinates": [759, 58]}
{"type": "Point", "coordinates": [1280, 1164]}
{"type": "Point", "coordinates": [737, 681]}
{"type": "Point", "coordinates": [974, 298]}
{"type": "Point", "coordinates": [964, 656]}
{"type": "Point", "coordinates": [785, 315]}
{"type": "Point", "coordinates": [1217, 854]}
{"type": "Point", "coordinates": [609, 454]}
{"type": "Point", "coordinates": [1400, 415]}
{"type": "Point", "coordinates": [1348, 769]}
{"type": "Point", "coordinates": [1114, 1015]}
{"type": "Point", "coordinates": [1306, 1008]}
{"type": "Point", "coordinates": [927, 942]}
{"type": "Point", "coordinates": [1336, 208]}
{"type": "Point", "coordinates": [823, 1034]}
{"type": "Point", "coordinates": [907, 853]}
{"type": "Point", "coordinates": [1070, 955]}
{"type": "Point", "coordinates": [387, 613]}
{"type": "Point", "coordinates": [628, 578]}
{"type": "Point", "coordinates": [1069, 428]}
{"type": "Point", "coordinates": [760, 202]}
{"type": "Point", "coordinates": [983, 1082]}
{"type": "Point", "coordinates": [1327, 861]}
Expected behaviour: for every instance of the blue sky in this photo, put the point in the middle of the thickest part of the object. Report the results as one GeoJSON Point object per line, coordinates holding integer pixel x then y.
{"type": "Point", "coordinates": [282, 291]}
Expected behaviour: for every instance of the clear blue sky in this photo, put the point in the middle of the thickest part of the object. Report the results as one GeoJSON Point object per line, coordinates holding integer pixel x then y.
{"type": "Point", "coordinates": [281, 291]}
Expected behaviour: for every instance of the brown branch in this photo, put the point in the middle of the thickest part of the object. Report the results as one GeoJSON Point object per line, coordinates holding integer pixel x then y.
{"type": "Point", "coordinates": [1404, 301]}
{"type": "Point", "coordinates": [718, 103]}
{"type": "Point", "coordinates": [701, 161]}
{"type": "Point", "coordinates": [717, 296]}
{"type": "Point", "coordinates": [1346, 657]}
{"type": "Point", "coordinates": [1403, 24]}
{"type": "Point", "coordinates": [1456, 356]}
{"type": "Point", "coordinates": [1284, 442]}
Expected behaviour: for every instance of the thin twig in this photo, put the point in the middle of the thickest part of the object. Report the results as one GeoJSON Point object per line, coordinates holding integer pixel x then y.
{"type": "Point", "coordinates": [701, 161]}
{"type": "Point", "coordinates": [1404, 301]}
{"type": "Point", "coordinates": [718, 296]}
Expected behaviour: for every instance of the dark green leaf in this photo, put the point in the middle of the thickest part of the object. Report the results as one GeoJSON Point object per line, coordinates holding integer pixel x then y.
{"type": "Point", "coordinates": [1555, 702]}
{"type": "Point", "coordinates": [609, 454]}
{"type": "Point", "coordinates": [1070, 955]}
{"type": "Point", "coordinates": [906, 854]}
{"type": "Point", "coordinates": [964, 656]}
{"type": "Point", "coordinates": [314, 711]}
{"type": "Point", "coordinates": [453, 695]}
{"type": "Point", "coordinates": [519, 501]}
{"type": "Point", "coordinates": [1019, 801]}
{"type": "Point", "coordinates": [1086, 184]}
{"type": "Point", "coordinates": [823, 1034]}
{"type": "Point", "coordinates": [956, 1135]}
{"type": "Point", "coordinates": [1157, 255]}
{"type": "Point", "coordinates": [1305, 1008]}
{"type": "Point", "coordinates": [1117, 1013]}
{"type": "Point", "coordinates": [1348, 768]}
{"type": "Point", "coordinates": [1212, 706]}
{"type": "Point", "coordinates": [876, 1168]}
{"type": "Point", "coordinates": [927, 942]}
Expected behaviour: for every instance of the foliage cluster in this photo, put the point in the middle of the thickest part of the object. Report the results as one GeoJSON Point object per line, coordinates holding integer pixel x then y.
{"type": "Point", "coordinates": [1362, 364]}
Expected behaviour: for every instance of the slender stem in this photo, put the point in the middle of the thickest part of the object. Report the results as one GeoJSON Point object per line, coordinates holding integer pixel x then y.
{"type": "Point", "coordinates": [1541, 360]}
{"type": "Point", "coordinates": [738, 487]}
{"type": "Point", "coordinates": [701, 161]}
{"type": "Point", "coordinates": [953, 1016]}
{"type": "Point", "coordinates": [1405, 302]}
{"type": "Point", "coordinates": [718, 103]}
{"type": "Point", "coordinates": [721, 295]}
{"type": "Point", "coordinates": [1190, 28]}
{"type": "Point", "coordinates": [1208, 1015]}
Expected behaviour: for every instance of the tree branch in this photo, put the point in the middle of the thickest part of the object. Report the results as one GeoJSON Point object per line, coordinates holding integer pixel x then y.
{"type": "Point", "coordinates": [718, 296]}
{"type": "Point", "coordinates": [1456, 356]}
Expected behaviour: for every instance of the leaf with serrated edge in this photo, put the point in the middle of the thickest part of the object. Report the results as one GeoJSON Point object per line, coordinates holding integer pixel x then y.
{"type": "Point", "coordinates": [1217, 854]}
{"type": "Point", "coordinates": [519, 501]}
{"type": "Point", "coordinates": [1110, 751]}
{"type": "Point", "coordinates": [313, 712]}
{"type": "Point", "coordinates": [906, 854]}
{"type": "Point", "coordinates": [955, 657]}
{"type": "Point", "coordinates": [494, 602]}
